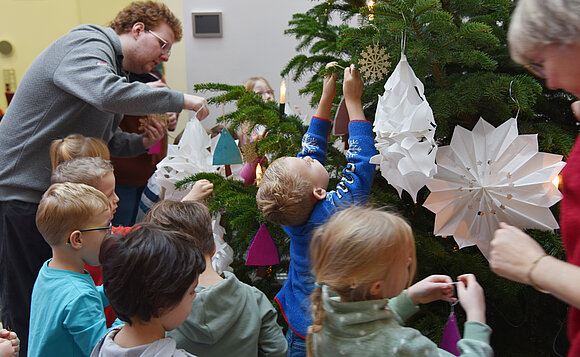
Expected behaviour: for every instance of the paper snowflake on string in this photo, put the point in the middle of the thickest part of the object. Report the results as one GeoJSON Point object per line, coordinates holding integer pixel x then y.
{"type": "Point", "coordinates": [405, 129]}
{"type": "Point", "coordinates": [374, 63]}
{"type": "Point", "coordinates": [189, 157]}
{"type": "Point", "coordinates": [224, 254]}
{"type": "Point", "coordinates": [491, 175]}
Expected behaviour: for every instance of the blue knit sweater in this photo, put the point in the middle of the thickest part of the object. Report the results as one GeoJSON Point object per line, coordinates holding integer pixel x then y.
{"type": "Point", "coordinates": [354, 187]}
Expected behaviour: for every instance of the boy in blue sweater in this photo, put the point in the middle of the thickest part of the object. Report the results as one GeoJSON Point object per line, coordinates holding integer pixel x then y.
{"type": "Point", "coordinates": [66, 315]}
{"type": "Point", "coordinates": [293, 194]}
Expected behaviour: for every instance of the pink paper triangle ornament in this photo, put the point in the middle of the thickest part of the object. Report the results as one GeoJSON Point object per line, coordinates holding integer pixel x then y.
{"type": "Point", "coordinates": [263, 250]}
{"type": "Point", "coordinates": [450, 335]}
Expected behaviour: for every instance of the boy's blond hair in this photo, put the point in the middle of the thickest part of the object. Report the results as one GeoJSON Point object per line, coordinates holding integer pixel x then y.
{"type": "Point", "coordinates": [77, 145]}
{"type": "Point", "coordinates": [285, 197]}
{"type": "Point", "coordinates": [65, 207]}
{"type": "Point", "coordinates": [87, 170]}
{"type": "Point", "coordinates": [356, 247]}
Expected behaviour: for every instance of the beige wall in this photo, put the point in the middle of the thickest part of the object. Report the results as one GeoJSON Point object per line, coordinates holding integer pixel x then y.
{"type": "Point", "coordinates": [175, 69]}
{"type": "Point", "coordinates": [32, 25]}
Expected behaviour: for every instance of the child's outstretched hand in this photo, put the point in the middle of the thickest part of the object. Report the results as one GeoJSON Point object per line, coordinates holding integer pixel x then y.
{"type": "Point", "coordinates": [328, 93]}
{"type": "Point", "coordinates": [432, 288]}
{"type": "Point", "coordinates": [329, 87]}
{"type": "Point", "coordinates": [9, 343]}
{"type": "Point", "coordinates": [471, 297]}
{"type": "Point", "coordinates": [200, 190]}
{"type": "Point", "coordinates": [352, 85]}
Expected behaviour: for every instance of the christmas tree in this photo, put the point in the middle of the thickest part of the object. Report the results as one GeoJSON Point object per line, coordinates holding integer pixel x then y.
{"type": "Point", "coordinates": [458, 49]}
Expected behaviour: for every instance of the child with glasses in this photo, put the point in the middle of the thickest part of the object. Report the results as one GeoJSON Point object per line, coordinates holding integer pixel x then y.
{"type": "Point", "coordinates": [98, 173]}
{"type": "Point", "coordinates": [66, 315]}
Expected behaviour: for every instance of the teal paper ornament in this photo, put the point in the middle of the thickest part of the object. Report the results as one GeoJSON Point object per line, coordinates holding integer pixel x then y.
{"type": "Point", "coordinates": [226, 151]}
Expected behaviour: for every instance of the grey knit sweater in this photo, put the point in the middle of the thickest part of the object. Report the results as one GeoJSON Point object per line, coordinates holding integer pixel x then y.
{"type": "Point", "coordinates": [76, 85]}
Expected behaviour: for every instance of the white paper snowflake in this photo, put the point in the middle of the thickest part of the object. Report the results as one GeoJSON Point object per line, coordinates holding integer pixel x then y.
{"type": "Point", "coordinates": [491, 175]}
{"type": "Point", "coordinates": [374, 63]}
{"type": "Point", "coordinates": [405, 129]}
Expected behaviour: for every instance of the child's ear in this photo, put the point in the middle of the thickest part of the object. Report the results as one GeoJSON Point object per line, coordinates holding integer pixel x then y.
{"type": "Point", "coordinates": [75, 239]}
{"type": "Point", "coordinates": [319, 193]}
{"type": "Point", "coordinates": [375, 289]}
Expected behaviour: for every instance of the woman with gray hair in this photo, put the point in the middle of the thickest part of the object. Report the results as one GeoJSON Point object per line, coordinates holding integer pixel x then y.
{"type": "Point", "coordinates": [544, 36]}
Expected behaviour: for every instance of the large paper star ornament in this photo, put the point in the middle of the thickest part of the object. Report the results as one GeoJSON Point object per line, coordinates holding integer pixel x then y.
{"type": "Point", "coordinates": [491, 175]}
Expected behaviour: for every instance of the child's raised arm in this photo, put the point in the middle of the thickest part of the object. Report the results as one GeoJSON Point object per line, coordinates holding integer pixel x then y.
{"type": "Point", "coordinates": [352, 88]}
{"type": "Point", "coordinates": [328, 93]}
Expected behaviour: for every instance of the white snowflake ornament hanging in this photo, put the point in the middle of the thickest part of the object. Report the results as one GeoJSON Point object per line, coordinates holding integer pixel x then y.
{"type": "Point", "coordinates": [189, 157]}
{"type": "Point", "coordinates": [405, 132]}
{"type": "Point", "coordinates": [491, 175]}
{"type": "Point", "coordinates": [224, 254]}
{"type": "Point", "coordinates": [374, 63]}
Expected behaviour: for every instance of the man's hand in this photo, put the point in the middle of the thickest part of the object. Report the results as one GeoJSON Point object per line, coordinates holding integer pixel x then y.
{"type": "Point", "coordinates": [172, 121]}
{"type": "Point", "coordinates": [197, 104]}
{"type": "Point", "coordinates": [153, 133]}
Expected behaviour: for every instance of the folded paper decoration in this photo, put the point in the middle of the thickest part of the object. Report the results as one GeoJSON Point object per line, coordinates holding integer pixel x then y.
{"type": "Point", "coordinates": [189, 157]}
{"type": "Point", "coordinates": [263, 250]}
{"type": "Point", "coordinates": [491, 175]}
{"type": "Point", "coordinates": [224, 254]}
{"type": "Point", "coordinates": [226, 151]}
{"type": "Point", "coordinates": [405, 132]}
{"type": "Point", "coordinates": [341, 120]}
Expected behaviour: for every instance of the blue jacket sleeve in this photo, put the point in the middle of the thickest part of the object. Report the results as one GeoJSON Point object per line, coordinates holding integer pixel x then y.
{"type": "Point", "coordinates": [355, 185]}
{"type": "Point", "coordinates": [315, 141]}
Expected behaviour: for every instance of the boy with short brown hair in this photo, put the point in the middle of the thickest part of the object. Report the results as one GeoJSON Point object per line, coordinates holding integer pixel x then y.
{"type": "Point", "coordinates": [228, 317]}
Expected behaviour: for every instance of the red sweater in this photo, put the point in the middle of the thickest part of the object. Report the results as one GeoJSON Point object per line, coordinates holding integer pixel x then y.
{"type": "Point", "coordinates": [569, 228]}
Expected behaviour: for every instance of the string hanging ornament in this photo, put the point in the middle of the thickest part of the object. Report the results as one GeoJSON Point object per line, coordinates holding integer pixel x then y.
{"type": "Point", "coordinates": [405, 131]}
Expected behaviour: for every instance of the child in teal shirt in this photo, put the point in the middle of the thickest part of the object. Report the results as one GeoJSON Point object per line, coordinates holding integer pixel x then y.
{"type": "Point", "coordinates": [66, 315]}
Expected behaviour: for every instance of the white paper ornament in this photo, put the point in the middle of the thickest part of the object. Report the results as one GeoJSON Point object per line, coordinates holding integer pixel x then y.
{"type": "Point", "coordinates": [189, 157]}
{"type": "Point", "coordinates": [224, 254]}
{"type": "Point", "coordinates": [405, 132]}
{"type": "Point", "coordinates": [491, 175]}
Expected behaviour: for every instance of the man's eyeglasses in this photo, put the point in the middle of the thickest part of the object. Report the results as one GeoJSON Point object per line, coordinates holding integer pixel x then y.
{"type": "Point", "coordinates": [164, 44]}
{"type": "Point", "coordinates": [537, 69]}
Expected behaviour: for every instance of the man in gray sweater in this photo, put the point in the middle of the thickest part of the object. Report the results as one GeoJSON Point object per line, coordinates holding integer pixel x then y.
{"type": "Point", "coordinates": [77, 85]}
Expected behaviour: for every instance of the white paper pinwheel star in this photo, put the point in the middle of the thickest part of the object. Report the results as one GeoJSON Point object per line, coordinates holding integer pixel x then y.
{"type": "Point", "coordinates": [189, 157]}
{"type": "Point", "coordinates": [405, 132]}
{"type": "Point", "coordinates": [491, 175]}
